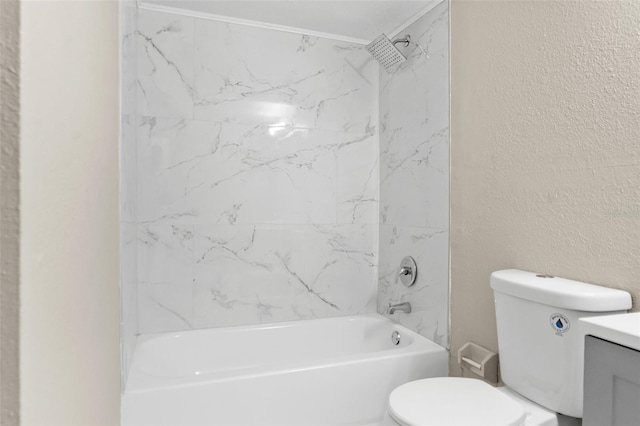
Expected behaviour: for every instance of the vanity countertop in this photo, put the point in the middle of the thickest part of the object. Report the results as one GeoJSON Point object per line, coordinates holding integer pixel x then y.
{"type": "Point", "coordinates": [623, 329]}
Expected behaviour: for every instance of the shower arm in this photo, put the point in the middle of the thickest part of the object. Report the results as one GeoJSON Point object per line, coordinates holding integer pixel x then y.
{"type": "Point", "coordinates": [406, 39]}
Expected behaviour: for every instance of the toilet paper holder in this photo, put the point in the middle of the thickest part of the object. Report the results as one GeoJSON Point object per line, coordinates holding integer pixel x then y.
{"type": "Point", "coordinates": [479, 360]}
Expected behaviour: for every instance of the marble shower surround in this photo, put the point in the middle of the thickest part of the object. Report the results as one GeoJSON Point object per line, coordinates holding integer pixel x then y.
{"type": "Point", "coordinates": [414, 178]}
{"type": "Point", "coordinates": [257, 175]}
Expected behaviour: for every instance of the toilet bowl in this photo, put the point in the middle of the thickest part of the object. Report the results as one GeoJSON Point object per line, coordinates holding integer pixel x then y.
{"type": "Point", "coordinates": [541, 359]}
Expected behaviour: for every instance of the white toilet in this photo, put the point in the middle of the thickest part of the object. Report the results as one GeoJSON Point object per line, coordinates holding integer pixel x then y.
{"type": "Point", "coordinates": [541, 358]}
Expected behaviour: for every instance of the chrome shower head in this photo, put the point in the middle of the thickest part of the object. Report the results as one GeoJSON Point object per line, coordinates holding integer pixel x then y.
{"type": "Point", "coordinates": [386, 53]}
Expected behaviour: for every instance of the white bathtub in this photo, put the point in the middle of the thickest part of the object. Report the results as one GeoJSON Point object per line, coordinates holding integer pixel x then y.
{"type": "Point", "coordinates": [336, 371]}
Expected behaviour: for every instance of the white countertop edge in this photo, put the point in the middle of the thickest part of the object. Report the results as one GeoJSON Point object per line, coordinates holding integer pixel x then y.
{"type": "Point", "coordinates": [623, 329]}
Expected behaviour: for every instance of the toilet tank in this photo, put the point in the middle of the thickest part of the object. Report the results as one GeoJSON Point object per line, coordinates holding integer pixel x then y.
{"type": "Point", "coordinates": [540, 339]}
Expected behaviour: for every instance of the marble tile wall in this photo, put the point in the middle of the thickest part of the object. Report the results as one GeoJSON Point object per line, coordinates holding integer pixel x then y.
{"type": "Point", "coordinates": [128, 261]}
{"type": "Point", "coordinates": [257, 175]}
{"type": "Point", "coordinates": [414, 177]}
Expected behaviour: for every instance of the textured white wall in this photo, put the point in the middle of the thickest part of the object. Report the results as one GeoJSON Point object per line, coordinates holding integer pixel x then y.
{"type": "Point", "coordinates": [69, 316]}
{"type": "Point", "coordinates": [9, 209]}
{"type": "Point", "coordinates": [545, 149]}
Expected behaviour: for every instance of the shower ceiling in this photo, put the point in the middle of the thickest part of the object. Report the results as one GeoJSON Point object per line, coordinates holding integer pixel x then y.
{"type": "Point", "coordinates": [357, 20]}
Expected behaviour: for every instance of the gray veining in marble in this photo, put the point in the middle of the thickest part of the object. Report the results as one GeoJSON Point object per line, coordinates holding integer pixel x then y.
{"type": "Point", "coordinates": [414, 178]}
{"type": "Point", "coordinates": [271, 173]}
{"type": "Point", "coordinates": [257, 175]}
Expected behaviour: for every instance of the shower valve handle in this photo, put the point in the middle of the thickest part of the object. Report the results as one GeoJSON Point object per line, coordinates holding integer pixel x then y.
{"type": "Point", "coordinates": [407, 272]}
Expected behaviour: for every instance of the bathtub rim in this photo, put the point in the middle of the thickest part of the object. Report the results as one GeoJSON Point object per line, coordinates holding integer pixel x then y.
{"type": "Point", "coordinates": [140, 381]}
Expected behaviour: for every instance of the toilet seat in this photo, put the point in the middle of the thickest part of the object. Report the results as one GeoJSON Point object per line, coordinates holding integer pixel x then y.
{"type": "Point", "coordinates": [453, 401]}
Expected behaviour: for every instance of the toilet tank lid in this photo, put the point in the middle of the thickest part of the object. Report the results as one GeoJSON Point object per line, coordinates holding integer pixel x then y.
{"type": "Point", "coordinates": [559, 292]}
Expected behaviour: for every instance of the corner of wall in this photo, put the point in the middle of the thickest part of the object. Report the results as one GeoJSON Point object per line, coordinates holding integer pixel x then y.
{"type": "Point", "coordinates": [69, 267]}
{"type": "Point", "coordinates": [9, 211]}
